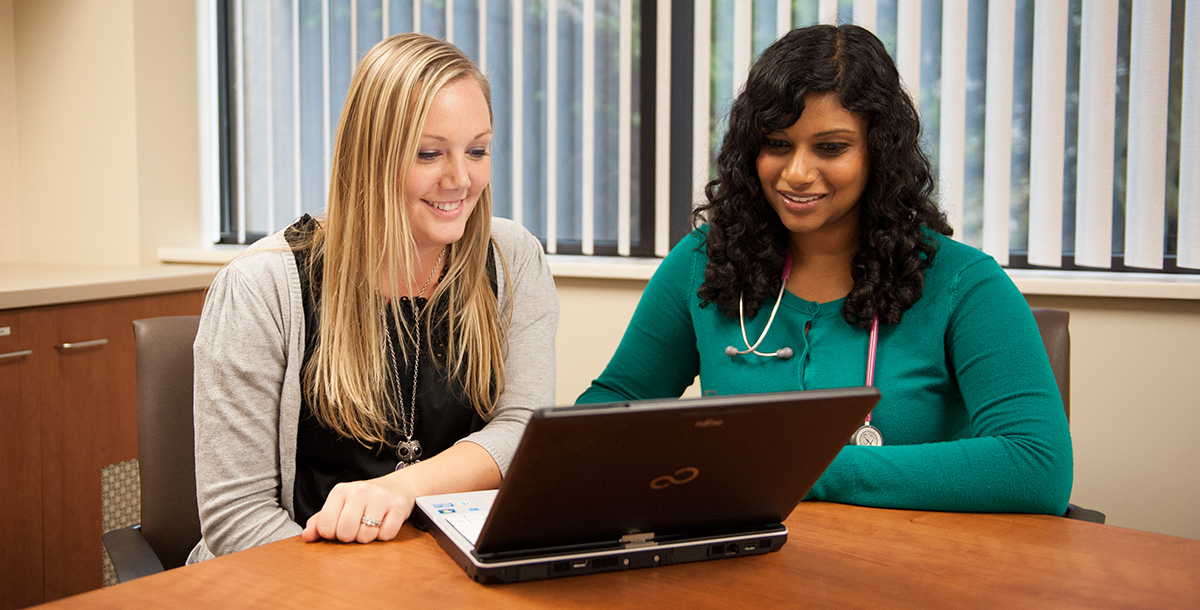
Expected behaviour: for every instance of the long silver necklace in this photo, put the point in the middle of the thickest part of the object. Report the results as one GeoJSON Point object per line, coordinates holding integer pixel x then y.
{"type": "Point", "coordinates": [408, 451]}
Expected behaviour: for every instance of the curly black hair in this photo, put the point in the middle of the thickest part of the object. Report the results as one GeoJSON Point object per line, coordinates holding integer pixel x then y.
{"type": "Point", "coordinates": [746, 240]}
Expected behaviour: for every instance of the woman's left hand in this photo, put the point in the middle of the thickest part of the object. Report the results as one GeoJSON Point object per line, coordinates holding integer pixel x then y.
{"type": "Point", "coordinates": [360, 511]}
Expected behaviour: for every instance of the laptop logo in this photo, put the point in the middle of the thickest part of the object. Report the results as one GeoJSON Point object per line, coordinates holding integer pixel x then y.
{"type": "Point", "coordinates": [710, 423]}
{"type": "Point", "coordinates": [681, 476]}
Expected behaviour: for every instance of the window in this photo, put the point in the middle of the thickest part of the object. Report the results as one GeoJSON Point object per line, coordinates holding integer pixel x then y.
{"type": "Point", "coordinates": [567, 81]}
{"type": "Point", "coordinates": [1058, 129]}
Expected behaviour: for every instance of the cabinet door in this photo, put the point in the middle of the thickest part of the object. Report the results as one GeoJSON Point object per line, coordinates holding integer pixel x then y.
{"type": "Point", "coordinates": [78, 418]}
{"type": "Point", "coordinates": [89, 420]}
{"type": "Point", "coordinates": [20, 465]}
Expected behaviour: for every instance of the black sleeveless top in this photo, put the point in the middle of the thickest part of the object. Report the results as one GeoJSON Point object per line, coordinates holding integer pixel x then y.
{"type": "Point", "coordinates": [442, 415]}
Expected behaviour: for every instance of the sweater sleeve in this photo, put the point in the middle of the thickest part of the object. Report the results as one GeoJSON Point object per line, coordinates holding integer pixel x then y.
{"type": "Point", "coordinates": [1018, 458]}
{"type": "Point", "coordinates": [529, 363]}
{"type": "Point", "coordinates": [240, 361]}
{"type": "Point", "coordinates": [657, 356]}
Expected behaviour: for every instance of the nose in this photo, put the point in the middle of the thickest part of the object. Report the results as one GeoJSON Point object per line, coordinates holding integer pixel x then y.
{"type": "Point", "coordinates": [799, 171]}
{"type": "Point", "coordinates": [456, 176]}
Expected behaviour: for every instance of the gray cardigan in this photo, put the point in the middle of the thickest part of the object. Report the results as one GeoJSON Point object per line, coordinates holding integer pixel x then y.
{"type": "Point", "coordinates": [248, 355]}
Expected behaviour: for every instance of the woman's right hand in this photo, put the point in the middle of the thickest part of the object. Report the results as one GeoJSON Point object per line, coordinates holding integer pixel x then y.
{"type": "Point", "coordinates": [361, 511]}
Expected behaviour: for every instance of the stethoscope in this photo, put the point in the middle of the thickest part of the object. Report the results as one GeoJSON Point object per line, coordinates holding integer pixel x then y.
{"type": "Point", "coordinates": [866, 434]}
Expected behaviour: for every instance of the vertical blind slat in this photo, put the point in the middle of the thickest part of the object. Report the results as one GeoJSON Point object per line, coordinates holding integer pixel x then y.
{"type": "Point", "coordinates": [297, 209]}
{"type": "Point", "coordinates": [588, 196]}
{"type": "Point", "coordinates": [1145, 192]}
{"type": "Point", "coordinates": [482, 17]}
{"type": "Point", "coordinates": [865, 14]}
{"type": "Point", "coordinates": [701, 102]}
{"type": "Point", "coordinates": [997, 154]}
{"type": "Point", "coordinates": [209, 120]}
{"type": "Point", "coordinates": [269, 118]}
{"type": "Point", "coordinates": [1047, 131]}
{"type": "Point", "coordinates": [908, 45]}
{"type": "Point", "coordinates": [783, 18]}
{"type": "Point", "coordinates": [625, 129]}
{"type": "Point", "coordinates": [518, 112]}
{"type": "Point", "coordinates": [743, 44]}
{"type": "Point", "coordinates": [827, 11]}
{"type": "Point", "coordinates": [326, 142]}
{"type": "Point", "coordinates": [450, 21]}
{"type": "Point", "coordinates": [1097, 122]}
{"type": "Point", "coordinates": [353, 35]}
{"type": "Point", "coordinates": [662, 131]}
{"type": "Point", "coordinates": [951, 146]}
{"type": "Point", "coordinates": [240, 108]}
{"type": "Point", "coordinates": [1188, 252]}
{"type": "Point", "coordinates": [552, 126]}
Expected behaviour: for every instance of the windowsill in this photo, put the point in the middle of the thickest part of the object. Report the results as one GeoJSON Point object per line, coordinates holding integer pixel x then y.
{"type": "Point", "coordinates": [1041, 282]}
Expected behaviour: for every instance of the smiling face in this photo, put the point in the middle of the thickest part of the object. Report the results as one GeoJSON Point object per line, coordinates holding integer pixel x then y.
{"type": "Point", "coordinates": [814, 171]}
{"type": "Point", "coordinates": [452, 165]}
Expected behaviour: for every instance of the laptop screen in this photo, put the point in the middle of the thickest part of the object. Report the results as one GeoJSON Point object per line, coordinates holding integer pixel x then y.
{"type": "Point", "coordinates": [590, 475]}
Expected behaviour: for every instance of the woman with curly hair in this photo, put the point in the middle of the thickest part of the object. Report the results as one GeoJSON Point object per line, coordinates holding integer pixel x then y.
{"type": "Point", "coordinates": [822, 240]}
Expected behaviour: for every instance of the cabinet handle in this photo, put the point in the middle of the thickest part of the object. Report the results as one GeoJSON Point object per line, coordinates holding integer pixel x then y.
{"type": "Point", "coordinates": [82, 344]}
{"type": "Point", "coordinates": [20, 354]}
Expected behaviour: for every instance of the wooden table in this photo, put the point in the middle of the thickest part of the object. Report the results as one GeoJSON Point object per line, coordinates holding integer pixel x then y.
{"type": "Point", "coordinates": [836, 555]}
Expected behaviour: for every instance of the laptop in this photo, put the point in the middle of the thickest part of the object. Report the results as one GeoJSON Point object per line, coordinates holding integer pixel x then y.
{"type": "Point", "coordinates": [598, 488]}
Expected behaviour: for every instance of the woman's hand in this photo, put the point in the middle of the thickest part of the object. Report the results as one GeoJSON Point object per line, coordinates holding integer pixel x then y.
{"type": "Point", "coordinates": [352, 509]}
{"type": "Point", "coordinates": [361, 511]}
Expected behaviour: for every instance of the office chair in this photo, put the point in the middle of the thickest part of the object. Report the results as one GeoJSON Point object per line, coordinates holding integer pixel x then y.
{"type": "Point", "coordinates": [1053, 324]}
{"type": "Point", "coordinates": [170, 524]}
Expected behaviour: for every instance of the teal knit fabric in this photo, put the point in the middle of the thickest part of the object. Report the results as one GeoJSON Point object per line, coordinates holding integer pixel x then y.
{"type": "Point", "coordinates": [971, 417]}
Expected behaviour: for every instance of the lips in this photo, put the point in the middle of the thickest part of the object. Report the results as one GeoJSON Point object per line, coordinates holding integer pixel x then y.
{"type": "Point", "coordinates": [801, 199]}
{"type": "Point", "coordinates": [444, 206]}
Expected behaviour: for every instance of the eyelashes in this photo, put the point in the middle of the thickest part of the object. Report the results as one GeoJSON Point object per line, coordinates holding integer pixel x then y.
{"type": "Point", "coordinates": [430, 155]}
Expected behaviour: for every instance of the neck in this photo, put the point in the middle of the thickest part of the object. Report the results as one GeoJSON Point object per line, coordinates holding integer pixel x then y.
{"type": "Point", "coordinates": [424, 275]}
{"type": "Point", "coordinates": [821, 267]}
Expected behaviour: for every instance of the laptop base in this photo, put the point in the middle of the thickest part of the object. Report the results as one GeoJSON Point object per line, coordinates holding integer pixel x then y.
{"type": "Point", "coordinates": [591, 561]}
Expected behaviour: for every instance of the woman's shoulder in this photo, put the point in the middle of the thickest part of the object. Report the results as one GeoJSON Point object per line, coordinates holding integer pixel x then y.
{"type": "Point", "coordinates": [509, 231]}
{"type": "Point", "coordinates": [693, 244]}
{"type": "Point", "coordinates": [514, 238]}
{"type": "Point", "coordinates": [954, 254]}
{"type": "Point", "coordinates": [267, 261]}
{"type": "Point", "coordinates": [957, 267]}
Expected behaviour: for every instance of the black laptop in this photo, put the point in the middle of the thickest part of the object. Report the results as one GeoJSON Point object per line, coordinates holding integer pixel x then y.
{"type": "Point", "coordinates": [598, 488]}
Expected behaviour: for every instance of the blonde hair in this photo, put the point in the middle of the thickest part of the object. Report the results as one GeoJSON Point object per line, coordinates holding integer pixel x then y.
{"type": "Point", "coordinates": [366, 236]}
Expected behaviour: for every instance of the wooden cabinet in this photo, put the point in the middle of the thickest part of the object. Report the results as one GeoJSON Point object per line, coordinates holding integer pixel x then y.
{"type": "Point", "coordinates": [20, 466]}
{"type": "Point", "coordinates": [68, 410]}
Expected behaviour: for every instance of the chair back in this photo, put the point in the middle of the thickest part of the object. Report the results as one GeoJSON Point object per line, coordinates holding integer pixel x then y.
{"type": "Point", "coordinates": [1053, 324]}
{"type": "Point", "coordinates": [166, 447]}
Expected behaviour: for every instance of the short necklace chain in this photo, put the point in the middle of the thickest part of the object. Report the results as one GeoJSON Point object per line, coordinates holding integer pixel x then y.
{"type": "Point", "coordinates": [409, 451]}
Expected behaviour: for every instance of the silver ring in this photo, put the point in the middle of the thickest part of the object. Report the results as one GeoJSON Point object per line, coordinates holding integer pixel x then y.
{"type": "Point", "coordinates": [369, 522]}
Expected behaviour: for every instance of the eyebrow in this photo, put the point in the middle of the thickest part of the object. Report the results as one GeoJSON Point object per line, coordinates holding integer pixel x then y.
{"type": "Point", "coordinates": [832, 132]}
{"type": "Point", "coordinates": [440, 138]}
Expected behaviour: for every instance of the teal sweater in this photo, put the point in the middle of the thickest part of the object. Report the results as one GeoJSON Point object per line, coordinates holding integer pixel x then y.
{"type": "Point", "coordinates": [971, 417]}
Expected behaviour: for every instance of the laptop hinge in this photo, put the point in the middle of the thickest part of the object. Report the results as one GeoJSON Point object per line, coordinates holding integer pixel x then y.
{"type": "Point", "coordinates": [632, 541]}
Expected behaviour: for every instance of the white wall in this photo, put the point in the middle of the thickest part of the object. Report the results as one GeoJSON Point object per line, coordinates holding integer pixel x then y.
{"type": "Point", "coordinates": [104, 96]}
{"type": "Point", "coordinates": [104, 101]}
{"type": "Point", "coordinates": [9, 213]}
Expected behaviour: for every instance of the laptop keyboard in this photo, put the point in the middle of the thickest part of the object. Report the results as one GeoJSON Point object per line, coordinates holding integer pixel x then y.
{"type": "Point", "coordinates": [468, 524]}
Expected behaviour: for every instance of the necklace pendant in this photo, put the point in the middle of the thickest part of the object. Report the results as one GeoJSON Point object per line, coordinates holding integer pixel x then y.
{"type": "Point", "coordinates": [408, 452]}
{"type": "Point", "coordinates": [867, 435]}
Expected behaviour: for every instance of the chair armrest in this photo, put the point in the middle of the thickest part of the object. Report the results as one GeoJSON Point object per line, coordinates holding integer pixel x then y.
{"type": "Point", "coordinates": [131, 555]}
{"type": "Point", "coordinates": [1083, 514]}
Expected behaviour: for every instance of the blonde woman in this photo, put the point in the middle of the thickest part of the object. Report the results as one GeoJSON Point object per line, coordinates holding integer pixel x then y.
{"type": "Point", "coordinates": [392, 349]}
